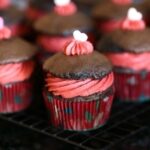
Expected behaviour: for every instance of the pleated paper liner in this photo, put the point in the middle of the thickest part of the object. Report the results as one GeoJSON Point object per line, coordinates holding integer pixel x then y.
{"type": "Point", "coordinates": [15, 97]}
{"type": "Point", "coordinates": [133, 87]}
{"type": "Point", "coordinates": [78, 115]}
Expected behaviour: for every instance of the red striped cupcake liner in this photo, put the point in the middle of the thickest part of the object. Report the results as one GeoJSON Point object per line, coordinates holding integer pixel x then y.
{"type": "Point", "coordinates": [78, 115]}
{"type": "Point", "coordinates": [15, 97]}
{"type": "Point", "coordinates": [133, 87]}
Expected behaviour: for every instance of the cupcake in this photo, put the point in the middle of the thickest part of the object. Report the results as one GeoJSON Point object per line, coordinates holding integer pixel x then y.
{"type": "Point", "coordinates": [57, 27]}
{"type": "Point", "coordinates": [14, 18]}
{"type": "Point", "coordinates": [16, 68]}
{"type": "Point", "coordinates": [37, 9]}
{"type": "Point", "coordinates": [79, 86]}
{"type": "Point", "coordinates": [128, 49]}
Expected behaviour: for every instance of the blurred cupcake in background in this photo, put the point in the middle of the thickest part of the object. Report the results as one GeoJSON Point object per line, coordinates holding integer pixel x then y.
{"type": "Point", "coordinates": [56, 28]}
{"type": "Point", "coordinates": [128, 49]}
{"type": "Point", "coordinates": [79, 86]}
{"type": "Point", "coordinates": [14, 18]}
{"type": "Point", "coordinates": [108, 14]}
{"type": "Point", "coordinates": [16, 68]}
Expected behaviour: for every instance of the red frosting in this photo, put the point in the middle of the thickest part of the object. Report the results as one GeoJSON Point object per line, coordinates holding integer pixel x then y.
{"type": "Point", "coordinates": [76, 47]}
{"type": "Point", "coordinates": [133, 25]}
{"type": "Point", "coordinates": [66, 10]}
{"type": "Point", "coordinates": [73, 88]}
{"type": "Point", "coordinates": [128, 60]}
{"type": "Point", "coordinates": [15, 72]}
{"type": "Point", "coordinates": [122, 2]}
{"type": "Point", "coordinates": [4, 3]}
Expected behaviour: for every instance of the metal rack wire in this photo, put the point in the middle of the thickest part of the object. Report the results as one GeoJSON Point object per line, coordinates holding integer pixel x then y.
{"type": "Point", "coordinates": [125, 121]}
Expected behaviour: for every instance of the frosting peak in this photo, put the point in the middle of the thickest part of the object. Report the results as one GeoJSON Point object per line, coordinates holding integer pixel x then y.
{"type": "Point", "coordinates": [76, 47]}
{"type": "Point", "coordinates": [65, 10]}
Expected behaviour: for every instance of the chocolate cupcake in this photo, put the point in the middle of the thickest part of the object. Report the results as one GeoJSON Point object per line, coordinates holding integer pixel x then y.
{"type": "Point", "coordinates": [108, 14]}
{"type": "Point", "coordinates": [128, 49]}
{"type": "Point", "coordinates": [14, 18]}
{"type": "Point", "coordinates": [16, 68]}
{"type": "Point", "coordinates": [79, 86]}
{"type": "Point", "coordinates": [57, 27]}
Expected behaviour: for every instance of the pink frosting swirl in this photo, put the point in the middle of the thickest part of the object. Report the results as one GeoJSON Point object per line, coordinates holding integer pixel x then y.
{"type": "Point", "coordinates": [133, 25]}
{"type": "Point", "coordinates": [66, 10]}
{"type": "Point", "coordinates": [76, 47]}
{"type": "Point", "coordinates": [136, 62]}
{"type": "Point", "coordinates": [73, 88]}
{"type": "Point", "coordinates": [122, 2]}
{"type": "Point", "coordinates": [4, 4]}
{"type": "Point", "coordinates": [15, 72]}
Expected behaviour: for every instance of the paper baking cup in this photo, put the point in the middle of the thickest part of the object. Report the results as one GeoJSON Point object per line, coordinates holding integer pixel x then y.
{"type": "Point", "coordinates": [133, 87]}
{"type": "Point", "coordinates": [15, 97]}
{"type": "Point", "coordinates": [78, 115]}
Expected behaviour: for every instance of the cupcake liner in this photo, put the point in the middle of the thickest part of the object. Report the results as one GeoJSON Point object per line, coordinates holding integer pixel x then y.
{"type": "Point", "coordinates": [78, 115]}
{"type": "Point", "coordinates": [108, 26]}
{"type": "Point", "coordinates": [134, 87]}
{"type": "Point", "coordinates": [15, 97]}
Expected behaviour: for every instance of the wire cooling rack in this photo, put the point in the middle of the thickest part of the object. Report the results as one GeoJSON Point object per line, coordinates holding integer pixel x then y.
{"type": "Point", "coordinates": [126, 121]}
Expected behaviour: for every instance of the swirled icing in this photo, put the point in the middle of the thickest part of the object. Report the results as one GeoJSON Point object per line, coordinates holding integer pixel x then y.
{"type": "Point", "coordinates": [66, 10]}
{"type": "Point", "coordinates": [128, 60]}
{"type": "Point", "coordinates": [73, 88]}
{"type": "Point", "coordinates": [15, 72]}
{"type": "Point", "coordinates": [76, 47]}
{"type": "Point", "coordinates": [133, 25]}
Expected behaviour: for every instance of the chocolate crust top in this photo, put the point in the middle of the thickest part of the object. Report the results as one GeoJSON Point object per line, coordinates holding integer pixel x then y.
{"type": "Point", "coordinates": [109, 10]}
{"type": "Point", "coordinates": [125, 41]}
{"type": "Point", "coordinates": [93, 65]}
{"type": "Point", "coordinates": [63, 25]}
{"type": "Point", "coordinates": [15, 50]}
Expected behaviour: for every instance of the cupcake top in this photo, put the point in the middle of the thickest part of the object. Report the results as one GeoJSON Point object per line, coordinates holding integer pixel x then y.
{"type": "Point", "coordinates": [132, 37]}
{"type": "Point", "coordinates": [15, 50]}
{"type": "Point", "coordinates": [78, 61]}
{"type": "Point", "coordinates": [87, 2]}
{"type": "Point", "coordinates": [79, 72]}
{"type": "Point", "coordinates": [109, 10]}
{"type": "Point", "coordinates": [63, 20]}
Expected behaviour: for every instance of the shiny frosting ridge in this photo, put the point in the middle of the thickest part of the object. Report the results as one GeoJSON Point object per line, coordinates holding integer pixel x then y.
{"type": "Point", "coordinates": [16, 72]}
{"type": "Point", "coordinates": [76, 47]}
{"type": "Point", "coordinates": [137, 62]}
{"type": "Point", "coordinates": [73, 88]}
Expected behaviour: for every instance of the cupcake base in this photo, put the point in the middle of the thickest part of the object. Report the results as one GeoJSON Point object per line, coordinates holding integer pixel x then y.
{"type": "Point", "coordinates": [78, 115]}
{"type": "Point", "coordinates": [15, 97]}
{"type": "Point", "coordinates": [133, 87]}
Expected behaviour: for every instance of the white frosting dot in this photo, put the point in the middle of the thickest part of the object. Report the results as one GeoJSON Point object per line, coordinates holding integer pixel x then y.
{"type": "Point", "coordinates": [61, 2]}
{"type": "Point", "coordinates": [134, 15]}
{"type": "Point", "coordinates": [80, 36]}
